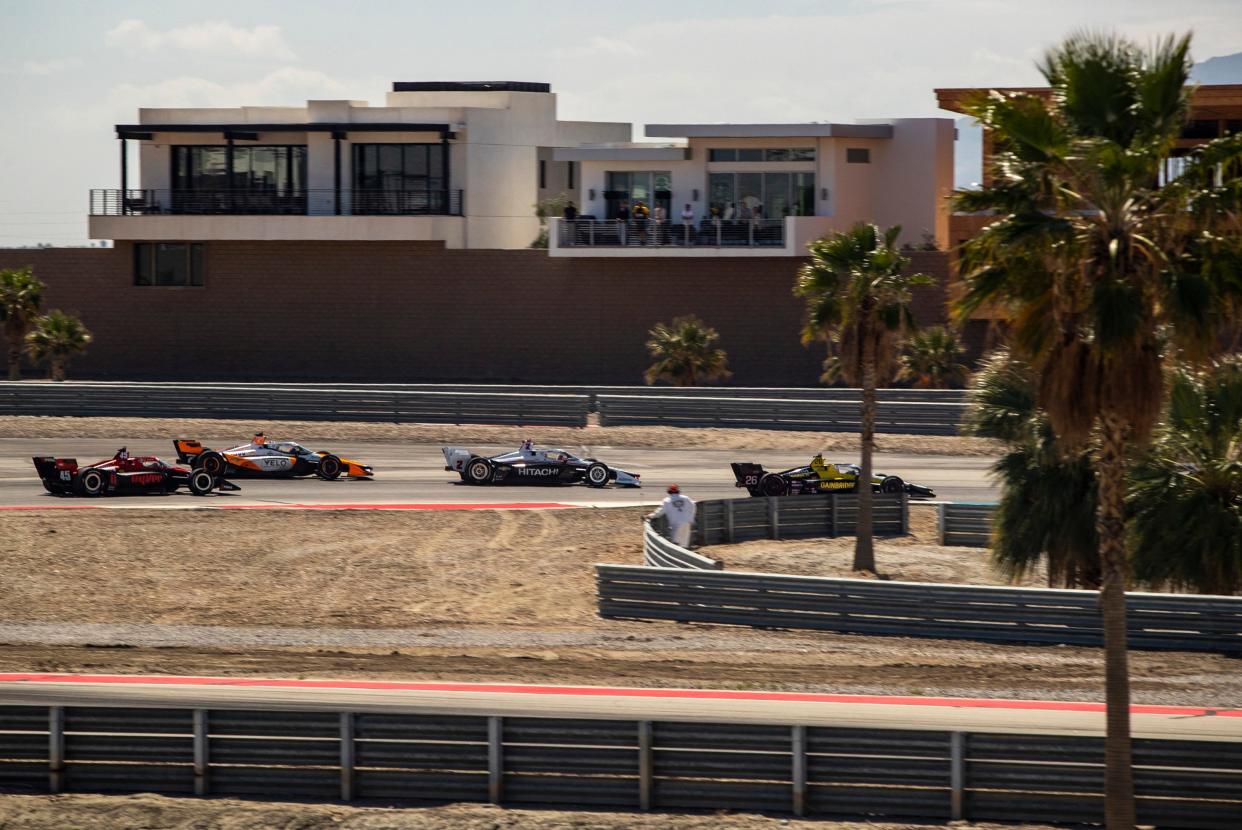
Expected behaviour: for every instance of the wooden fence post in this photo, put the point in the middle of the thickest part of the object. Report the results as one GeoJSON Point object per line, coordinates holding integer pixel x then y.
{"type": "Point", "coordinates": [729, 520]}
{"type": "Point", "coordinates": [201, 784]}
{"type": "Point", "coordinates": [774, 517]}
{"type": "Point", "coordinates": [940, 520]}
{"type": "Point", "coordinates": [905, 514]}
{"type": "Point", "coordinates": [832, 528]}
{"type": "Point", "coordinates": [495, 759]}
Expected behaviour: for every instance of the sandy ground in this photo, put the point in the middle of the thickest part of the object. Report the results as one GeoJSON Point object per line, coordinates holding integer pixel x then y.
{"type": "Point", "coordinates": [490, 596]}
{"type": "Point", "coordinates": [151, 812]}
{"type": "Point", "coordinates": [29, 426]}
{"type": "Point", "coordinates": [913, 558]}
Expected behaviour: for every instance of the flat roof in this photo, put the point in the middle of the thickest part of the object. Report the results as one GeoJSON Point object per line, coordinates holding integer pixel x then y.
{"type": "Point", "coordinates": [630, 152]}
{"type": "Point", "coordinates": [138, 130]}
{"type": "Point", "coordinates": [470, 86]}
{"type": "Point", "coordinates": [811, 130]}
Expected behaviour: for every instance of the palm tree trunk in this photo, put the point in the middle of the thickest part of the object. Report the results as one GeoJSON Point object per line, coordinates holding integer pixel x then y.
{"type": "Point", "coordinates": [58, 368]}
{"type": "Point", "coordinates": [864, 547]}
{"type": "Point", "coordinates": [1110, 522]}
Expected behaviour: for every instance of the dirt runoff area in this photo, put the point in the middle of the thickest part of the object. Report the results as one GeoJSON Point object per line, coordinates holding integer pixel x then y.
{"type": "Point", "coordinates": [149, 812]}
{"type": "Point", "coordinates": [33, 426]}
{"type": "Point", "coordinates": [459, 595]}
{"type": "Point", "coordinates": [915, 557]}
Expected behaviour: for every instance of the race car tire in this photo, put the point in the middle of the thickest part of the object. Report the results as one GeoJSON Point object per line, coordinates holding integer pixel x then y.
{"type": "Point", "coordinates": [772, 485]}
{"type": "Point", "coordinates": [892, 484]}
{"type": "Point", "coordinates": [597, 475]}
{"type": "Point", "coordinates": [201, 482]}
{"type": "Point", "coordinates": [478, 471]}
{"type": "Point", "coordinates": [330, 468]}
{"type": "Point", "coordinates": [211, 462]}
{"type": "Point", "coordinates": [91, 483]}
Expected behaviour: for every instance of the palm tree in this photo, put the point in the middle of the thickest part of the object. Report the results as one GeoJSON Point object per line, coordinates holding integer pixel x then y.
{"type": "Point", "coordinates": [21, 293]}
{"type": "Point", "coordinates": [685, 353]}
{"type": "Point", "coordinates": [1103, 271]}
{"type": "Point", "coordinates": [930, 361]}
{"type": "Point", "coordinates": [1047, 508]}
{"type": "Point", "coordinates": [1186, 498]}
{"type": "Point", "coordinates": [54, 339]}
{"type": "Point", "coordinates": [858, 299]}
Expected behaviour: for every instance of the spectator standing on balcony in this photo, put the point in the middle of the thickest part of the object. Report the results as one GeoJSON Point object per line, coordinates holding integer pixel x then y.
{"type": "Point", "coordinates": [756, 215]}
{"type": "Point", "coordinates": [687, 221]}
{"type": "Point", "coordinates": [638, 216]}
{"type": "Point", "coordinates": [678, 510]}
{"type": "Point", "coordinates": [730, 212]}
{"type": "Point", "coordinates": [660, 217]}
{"type": "Point", "coordinates": [570, 216]}
{"type": "Point", "coordinates": [743, 213]}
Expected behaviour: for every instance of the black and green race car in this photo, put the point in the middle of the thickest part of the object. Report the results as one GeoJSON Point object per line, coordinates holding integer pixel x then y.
{"type": "Point", "coordinates": [816, 478]}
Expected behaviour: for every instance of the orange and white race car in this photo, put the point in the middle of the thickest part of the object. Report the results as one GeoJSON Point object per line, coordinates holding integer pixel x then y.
{"type": "Point", "coordinates": [274, 459]}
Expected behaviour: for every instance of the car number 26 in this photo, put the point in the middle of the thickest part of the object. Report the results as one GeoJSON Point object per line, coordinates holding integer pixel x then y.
{"type": "Point", "coordinates": [751, 481]}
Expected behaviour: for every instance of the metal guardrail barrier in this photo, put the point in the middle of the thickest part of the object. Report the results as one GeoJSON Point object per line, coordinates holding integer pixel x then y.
{"type": "Point", "coordinates": [965, 525]}
{"type": "Point", "coordinates": [615, 763]}
{"type": "Point", "coordinates": [908, 417]}
{"type": "Point", "coordinates": [912, 609]}
{"type": "Point", "coordinates": [900, 410]}
{"type": "Point", "coordinates": [291, 402]}
{"type": "Point", "coordinates": [675, 585]}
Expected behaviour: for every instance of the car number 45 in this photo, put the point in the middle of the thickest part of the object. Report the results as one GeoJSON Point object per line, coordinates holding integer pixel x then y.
{"type": "Point", "coordinates": [65, 475]}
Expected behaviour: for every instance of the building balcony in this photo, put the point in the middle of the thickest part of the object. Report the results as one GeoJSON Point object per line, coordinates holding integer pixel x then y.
{"type": "Point", "coordinates": [315, 202]}
{"type": "Point", "coordinates": [587, 237]}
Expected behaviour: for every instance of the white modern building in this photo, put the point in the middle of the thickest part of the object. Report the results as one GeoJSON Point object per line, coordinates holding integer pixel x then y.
{"type": "Point", "coordinates": [465, 164]}
{"type": "Point", "coordinates": [762, 189]}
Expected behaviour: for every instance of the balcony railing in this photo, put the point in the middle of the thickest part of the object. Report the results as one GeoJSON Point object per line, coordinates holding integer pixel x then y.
{"type": "Point", "coordinates": [592, 233]}
{"type": "Point", "coordinates": [313, 202]}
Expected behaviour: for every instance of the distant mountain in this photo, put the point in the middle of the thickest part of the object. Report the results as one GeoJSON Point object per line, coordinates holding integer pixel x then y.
{"type": "Point", "coordinates": [968, 154]}
{"type": "Point", "coordinates": [1226, 69]}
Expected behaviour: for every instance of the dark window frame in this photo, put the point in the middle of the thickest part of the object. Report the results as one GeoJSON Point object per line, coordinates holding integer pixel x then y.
{"type": "Point", "coordinates": [766, 155]}
{"type": "Point", "coordinates": [569, 173]}
{"type": "Point", "coordinates": [857, 155]}
{"type": "Point", "coordinates": [146, 259]}
{"type": "Point", "coordinates": [543, 174]}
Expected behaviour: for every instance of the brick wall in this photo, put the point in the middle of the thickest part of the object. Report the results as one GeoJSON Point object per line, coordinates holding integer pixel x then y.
{"type": "Point", "coordinates": [412, 311]}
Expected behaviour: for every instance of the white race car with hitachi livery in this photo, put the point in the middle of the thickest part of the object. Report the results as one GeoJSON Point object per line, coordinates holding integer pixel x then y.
{"type": "Point", "coordinates": [529, 465]}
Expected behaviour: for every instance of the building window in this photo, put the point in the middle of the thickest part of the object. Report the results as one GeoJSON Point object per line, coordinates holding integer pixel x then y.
{"type": "Point", "coordinates": [398, 179]}
{"type": "Point", "coordinates": [625, 189]}
{"type": "Point", "coordinates": [168, 263]}
{"type": "Point", "coordinates": [766, 154]}
{"type": "Point", "coordinates": [543, 174]}
{"type": "Point", "coordinates": [857, 155]}
{"type": "Point", "coordinates": [777, 194]}
{"type": "Point", "coordinates": [569, 172]}
{"type": "Point", "coordinates": [264, 179]}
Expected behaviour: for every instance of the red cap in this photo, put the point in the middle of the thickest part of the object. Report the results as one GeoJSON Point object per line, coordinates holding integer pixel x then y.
{"type": "Point", "coordinates": [673, 488]}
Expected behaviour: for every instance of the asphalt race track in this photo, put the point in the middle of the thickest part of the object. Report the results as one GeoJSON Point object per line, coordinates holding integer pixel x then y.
{"type": "Point", "coordinates": [975, 715]}
{"type": "Point", "coordinates": [408, 474]}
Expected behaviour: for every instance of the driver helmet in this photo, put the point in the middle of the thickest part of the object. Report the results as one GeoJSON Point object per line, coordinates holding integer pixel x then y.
{"type": "Point", "coordinates": [528, 445]}
{"type": "Point", "coordinates": [122, 454]}
{"type": "Point", "coordinates": [259, 439]}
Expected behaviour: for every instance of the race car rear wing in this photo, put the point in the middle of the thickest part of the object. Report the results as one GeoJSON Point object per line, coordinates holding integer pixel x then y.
{"type": "Point", "coordinates": [49, 467]}
{"type": "Point", "coordinates": [747, 473]}
{"type": "Point", "coordinates": [186, 448]}
{"type": "Point", "coordinates": [455, 458]}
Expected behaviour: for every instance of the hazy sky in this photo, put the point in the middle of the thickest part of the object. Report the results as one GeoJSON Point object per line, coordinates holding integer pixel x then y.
{"type": "Point", "coordinates": [71, 70]}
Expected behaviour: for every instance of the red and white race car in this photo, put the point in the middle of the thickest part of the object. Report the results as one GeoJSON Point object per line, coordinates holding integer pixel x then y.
{"type": "Point", "coordinates": [123, 474]}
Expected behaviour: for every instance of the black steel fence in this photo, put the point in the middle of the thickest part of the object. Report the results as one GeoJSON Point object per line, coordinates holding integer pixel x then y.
{"type": "Point", "coordinates": [930, 775]}
{"type": "Point", "coordinates": [286, 202]}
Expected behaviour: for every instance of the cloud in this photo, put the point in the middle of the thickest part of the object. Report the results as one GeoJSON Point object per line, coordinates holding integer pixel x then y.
{"type": "Point", "coordinates": [42, 67]}
{"type": "Point", "coordinates": [288, 86]}
{"type": "Point", "coordinates": [213, 37]}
